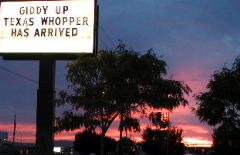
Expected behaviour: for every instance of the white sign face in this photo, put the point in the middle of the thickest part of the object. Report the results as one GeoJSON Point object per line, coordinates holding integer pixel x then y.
{"type": "Point", "coordinates": [47, 27]}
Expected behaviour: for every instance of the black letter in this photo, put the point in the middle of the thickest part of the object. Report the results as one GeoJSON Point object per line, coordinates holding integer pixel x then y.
{"type": "Point", "coordinates": [45, 9]}
{"type": "Point", "coordinates": [74, 32]}
{"type": "Point", "coordinates": [26, 32]}
{"type": "Point", "coordinates": [85, 20]}
{"type": "Point", "coordinates": [14, 32]}
{"type": "Point", "coordinates": [36, 33]}
{"type": "Point", "coordinates": [12, 21]}
{"type": "Point", "coordinates": [71, 20]}
{"type": "Point", "coordinates": [58, 21]}
{"type": "Point", "coordinates": [67, 32]}
{"type": "Point", "coordinates": [50, 32]}
{"type": "Point", "coordinates": [6, 19]}
{"type": "Point", "coordinates": [78, 21]}
{"type": "Point", "coordinates": [31, 22]}
{"type": "Point", "coordinates": [44, 20]}
{"type": "Point", "coordinates": [18, 21]}
{"type": "Point", "coordinates": [58, 9]}
{"type": "Point", "coordinates": [43, 32]}
{"type": "Point", "coordinates": [21, 11]}
{"type": "Point", "coordinates": [65, 8]}
{"type": "Point", "coordinates": [64, 20]}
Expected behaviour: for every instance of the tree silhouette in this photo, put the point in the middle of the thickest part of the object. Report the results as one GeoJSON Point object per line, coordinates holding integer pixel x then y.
{"type": "Point", "coordinates": [164, 142]}
{"type": "Point", "coordinates": [128, 146]}
{"type": "Point", "coordinates": [116, 84]}
{"type": "Point", "coordinates": [220, 106]}
{"type": "Point", "coordinates": [129, 124]}
{"type": "Point", "coordinates": [87, 142]}
{"type": "Point", "coordinates": [226, 139]}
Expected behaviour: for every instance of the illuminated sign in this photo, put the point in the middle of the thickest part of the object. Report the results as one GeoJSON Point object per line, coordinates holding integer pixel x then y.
{"type": "Point", "coordinates": [164, 117]}
{"type": "Point", "coordinates": [47, 26]}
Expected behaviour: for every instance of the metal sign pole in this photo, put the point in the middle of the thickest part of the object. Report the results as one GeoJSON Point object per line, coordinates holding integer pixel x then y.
{"type": "Point", "coordinates": [45, 108]}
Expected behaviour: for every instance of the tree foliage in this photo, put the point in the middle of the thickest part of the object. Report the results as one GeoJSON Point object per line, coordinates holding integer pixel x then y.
{"type": "Point", "coordinates": [226, 139]}
{"type": "Point", "coordinates": [130, 124]}
{"type": "Point", "coordinates": [127, 146]}
{"type": "Point", "coordinates": [117, 83]}
{"type": "Point", "coordinates": [163, 142]}
{"type": "Point", "coordinates": [221, 103]}
{"type": "Point", "coordinates": [220, 106]}
{"type": "Point", "coordinates": [87, 142]}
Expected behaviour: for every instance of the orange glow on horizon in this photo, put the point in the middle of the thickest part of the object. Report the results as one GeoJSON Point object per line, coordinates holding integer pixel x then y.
{"type": "Point", "coordinates": [195, 142]}
{"type": "Point", "coordinates": [26, 134]}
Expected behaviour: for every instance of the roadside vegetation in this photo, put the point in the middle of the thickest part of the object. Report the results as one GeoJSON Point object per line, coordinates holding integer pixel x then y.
{"type": "Point", "coordinates": [118, 84]}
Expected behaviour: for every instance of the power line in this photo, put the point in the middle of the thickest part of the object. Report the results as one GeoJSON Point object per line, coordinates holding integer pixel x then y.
{"type": "Point", "coordinates": [18, 75]}
{"type": "Point", "coordinates": [22, 76]}
{"type": "Point", "coordinates": [104, 43]}
{"type": "Point", "coordinates": [108, 37]}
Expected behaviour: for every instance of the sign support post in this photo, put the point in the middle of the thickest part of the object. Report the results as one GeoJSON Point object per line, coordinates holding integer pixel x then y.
{"type": "Point", "coordinates": [45, 107]}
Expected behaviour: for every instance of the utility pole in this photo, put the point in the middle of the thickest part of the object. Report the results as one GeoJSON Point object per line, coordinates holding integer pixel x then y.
{"type": "Point", "coordinates": [14, 129]}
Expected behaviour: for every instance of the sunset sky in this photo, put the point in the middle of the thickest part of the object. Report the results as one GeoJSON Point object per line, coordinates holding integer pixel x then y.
{"type": "Point", "coordinates": [195, 38]}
